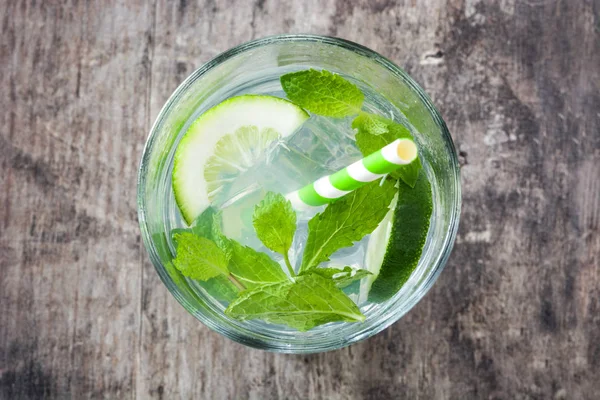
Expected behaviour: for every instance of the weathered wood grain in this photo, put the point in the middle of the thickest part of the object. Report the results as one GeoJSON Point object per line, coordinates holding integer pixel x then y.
{"type": "Point", "coordinates": [515, 315]}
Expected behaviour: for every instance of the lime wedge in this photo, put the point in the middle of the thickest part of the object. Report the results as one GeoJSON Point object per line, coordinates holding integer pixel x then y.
{"type": "Point", "coordinates": [395, 247]}
{"type": "Point", "coordinates": [261, 116]}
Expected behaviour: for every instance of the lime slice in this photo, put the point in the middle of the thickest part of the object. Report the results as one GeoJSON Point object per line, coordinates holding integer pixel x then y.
{"type": "Point", "coordinates": [233, 155]}
{"type": "Point", "coordinates": [395, 247]}
{"type": "Point", "coordinates": [265, 114]}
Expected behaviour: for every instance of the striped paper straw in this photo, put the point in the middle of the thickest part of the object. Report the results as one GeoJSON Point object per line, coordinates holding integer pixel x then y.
{"type": "Point", "coordinates": [328, 188]}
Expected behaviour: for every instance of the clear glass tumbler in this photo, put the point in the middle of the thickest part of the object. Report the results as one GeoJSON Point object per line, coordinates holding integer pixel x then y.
{"type": "Point", "coordinates": [252, 67]}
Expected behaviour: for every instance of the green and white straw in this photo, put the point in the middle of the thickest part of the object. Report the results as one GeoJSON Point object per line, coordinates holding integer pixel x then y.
{"type": "Point", "coordinates": [374, 166]}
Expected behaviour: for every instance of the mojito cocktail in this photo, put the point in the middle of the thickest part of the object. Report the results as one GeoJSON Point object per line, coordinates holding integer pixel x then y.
{"type": "Point", "coordinates": [298, 198]}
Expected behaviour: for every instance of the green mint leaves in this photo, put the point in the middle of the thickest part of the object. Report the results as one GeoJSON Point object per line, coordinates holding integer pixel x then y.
{"type": "Point", "coordinates": [221, 288]}
{"type": "Point", "coordinates": [371, 123]}
{"type": "Point", "coordinates": [345, 221]}
{"type": "Point", "coordinates": [253, 268]}
{"type": "Point", "coordinates": [198, 257]}
{"type": "Point", "coordinates": [341, 277]}
{"type": "Point", "coordinates": [274, 221]}
{"type": "Point", "coordinates": [309, 301]}
{"type": "Point", "coordinates": [256, 286]}
{"type": "Point", "coordinates": [374, 132]}
{"type": "Point", "coordinates": [328, 94]}
{"type": "Point", "coordinates": [323, 93]}
{"type": "Point", "coordinates": [205, 254]}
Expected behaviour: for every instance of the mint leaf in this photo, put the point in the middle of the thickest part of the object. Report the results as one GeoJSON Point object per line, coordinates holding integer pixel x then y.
{"type": "Point", "coordinates": [203, 224]}
{"type": "Point", "coordinates": [371, 123]}
{"type": "Point", "coordinates": [175, 232]}
{"type": "Point", "coordinates": [253, 268]}
{"type": "Point", "coordinates": [345, 221]}
{"type": "Point", "coordinates": [323, 93]}
{"type": "Point", "coordinates": [370, 138]}
{"type": "Point", "coordinates": [198, 257]}
{"type": "Point", "coordinates": [217, 235]}
{"type": "Point", "coordinates": [274, 221]}
{"type": "Point", "coordinates": [309, 301]}
{"type": "Point", "coordinates": [220, 288]}
{"type": "Point", "coordinates": [207, 225]}
{"type": "Point", "coordinates": [341, 277]}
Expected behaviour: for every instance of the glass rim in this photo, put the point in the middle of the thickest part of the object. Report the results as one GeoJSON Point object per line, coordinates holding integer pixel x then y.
{"type": "Point", "coordinates": [387, 318]}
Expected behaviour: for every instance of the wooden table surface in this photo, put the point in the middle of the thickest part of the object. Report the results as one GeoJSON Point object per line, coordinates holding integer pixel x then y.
{"type": "Point", "coordinates": [515, 314]}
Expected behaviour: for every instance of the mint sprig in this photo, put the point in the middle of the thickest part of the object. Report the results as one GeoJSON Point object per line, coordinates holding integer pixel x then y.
{"type": "Point", "coordinates": [323, 93]}
{"type": "Point", "coordinates": [264, 290]}
{"type": "Point", "coordinates": [309, 301]}
{"type": "Point", "coordinates": [205, 254]}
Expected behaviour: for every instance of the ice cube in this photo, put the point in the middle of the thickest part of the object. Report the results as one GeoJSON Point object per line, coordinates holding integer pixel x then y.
{"type": "Point", "coordinates": [321, 147]}
{"type": "Point", "coordinates": [328, 142]}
